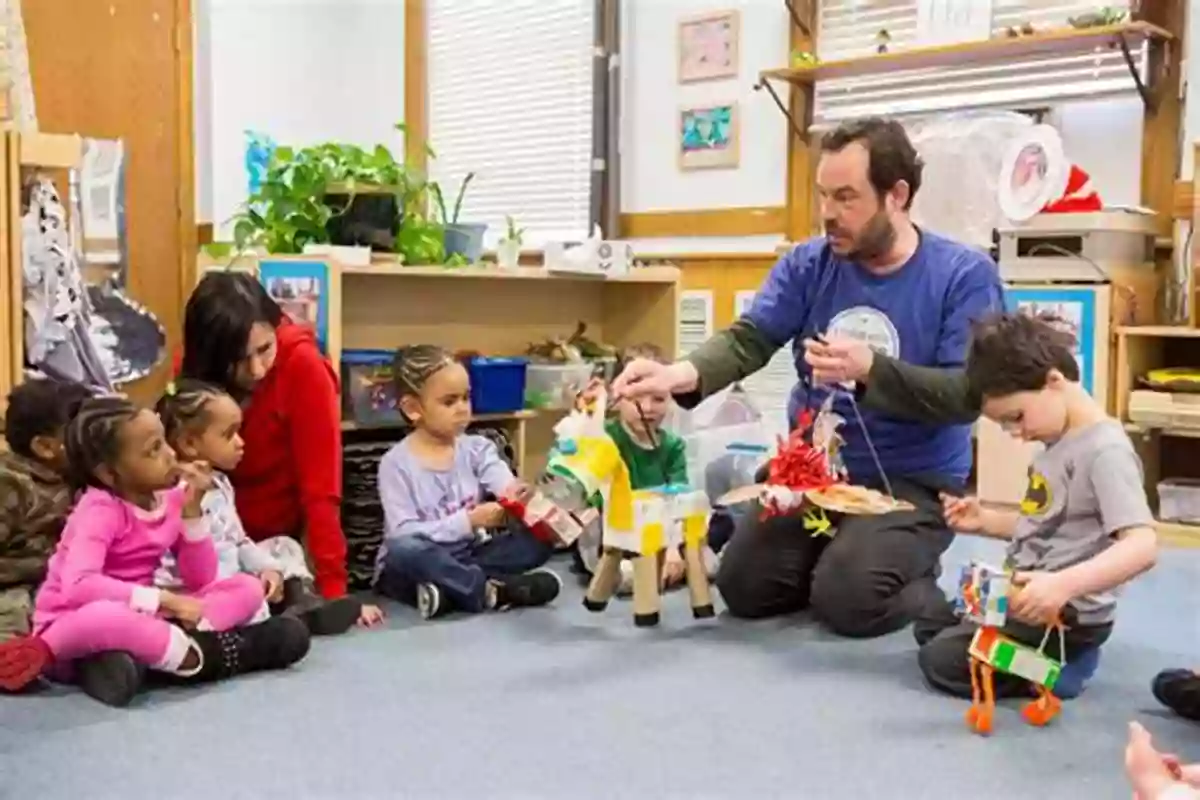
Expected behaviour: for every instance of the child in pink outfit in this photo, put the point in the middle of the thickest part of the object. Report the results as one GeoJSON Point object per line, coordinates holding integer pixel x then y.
{"type": "Point", "coordinates": [98, 619]}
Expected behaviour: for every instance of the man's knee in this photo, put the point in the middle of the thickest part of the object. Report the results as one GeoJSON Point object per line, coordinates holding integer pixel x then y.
{"type": "Point", "coordinates": [848, 597]}
{"type": "Point", "coordinates": [743, 592]}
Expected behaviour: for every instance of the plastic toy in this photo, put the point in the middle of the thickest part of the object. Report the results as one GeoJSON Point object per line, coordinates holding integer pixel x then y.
{"type": "Point", "coordinates": [546, 520]}
{"type": "Point", "coordinates": [983, 599]}
{"type": "Point", "coordinates": [586, 469]}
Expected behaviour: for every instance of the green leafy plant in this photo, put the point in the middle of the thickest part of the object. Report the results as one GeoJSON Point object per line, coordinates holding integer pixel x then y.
{"type": "Point", "coordinates": [512, 232]}
{"type": "Point", "coordinates": [440, 201]}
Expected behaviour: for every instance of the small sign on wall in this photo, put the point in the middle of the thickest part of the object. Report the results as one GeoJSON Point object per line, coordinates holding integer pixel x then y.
{"type": "Point", "coordinates": [708, 136]}
{"type": "Point", "coordinates": [708, 47]}
{"type": "Point", "coordinates": [953, 21]}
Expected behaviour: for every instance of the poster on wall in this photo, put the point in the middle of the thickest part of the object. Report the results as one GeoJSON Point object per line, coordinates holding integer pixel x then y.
{"type": "Point", "coordinates": [1075, 309]}
{"type": "Point", "coordinates": [695, 319]}
{"type": "Point", "coordinates": [708, 137]}
{"type": "Point", "coordinates": [708, 46]}
{"type": "Point", "coordinates": [301, 288]}
{"type": "Point", "coordinates": [770, 387]}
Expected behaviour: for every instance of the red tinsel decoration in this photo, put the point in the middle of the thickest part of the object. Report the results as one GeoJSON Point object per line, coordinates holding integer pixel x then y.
{"type": "Point", "coordinates": [797, 464]}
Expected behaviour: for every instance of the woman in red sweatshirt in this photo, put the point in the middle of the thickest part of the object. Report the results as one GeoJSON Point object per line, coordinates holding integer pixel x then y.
{"type": "Point", "coordinates": [289, 482]}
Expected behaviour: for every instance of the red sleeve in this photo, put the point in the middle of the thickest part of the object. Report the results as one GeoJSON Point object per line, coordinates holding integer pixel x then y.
{"type": "Point", "coordinates": [316, 431]}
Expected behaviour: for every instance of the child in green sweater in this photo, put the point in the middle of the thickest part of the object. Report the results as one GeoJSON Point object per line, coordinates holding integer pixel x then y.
{"type": "Point", "coordinates": [654, 456]}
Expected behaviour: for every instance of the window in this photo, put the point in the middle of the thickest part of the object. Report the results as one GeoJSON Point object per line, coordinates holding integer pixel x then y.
{"type": "Point", "coordinates": [848, 29]}
{"type": "Point", "coordinates": [511, 99]}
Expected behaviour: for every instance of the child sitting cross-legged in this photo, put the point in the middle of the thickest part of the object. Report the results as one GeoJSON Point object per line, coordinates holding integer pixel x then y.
{"type": "Point", "coordinates": [434, 486]}
{"type": "Point", "coordinates": [1084, 527]}
{"type": "Point", "coordinates": [203, 424]}
{"type": "Point", "coordinates": [98, 606]}
{"type": "Point", "coordinates": [34, 496]}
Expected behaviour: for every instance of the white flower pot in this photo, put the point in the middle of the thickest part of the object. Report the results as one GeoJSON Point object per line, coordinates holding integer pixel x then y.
{"type": "Point", "coordinates": [508, 254]}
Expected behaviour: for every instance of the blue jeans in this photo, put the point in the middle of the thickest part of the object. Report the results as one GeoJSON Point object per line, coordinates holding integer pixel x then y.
{"type": "Point", "coordinates": [460, 569]}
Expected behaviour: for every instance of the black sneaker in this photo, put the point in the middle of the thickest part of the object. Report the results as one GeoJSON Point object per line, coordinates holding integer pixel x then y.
{"type": "Point", "coordinates": [323, 617]}
{"type": "Point", "coordinates": [535, 588]}
{"type": "Point", "coordinates": [112, 677]}
{"type": "Point", "coordinates": [1179, 690]}
{"type": "Point", "coordinates": [277, 643]}
{"type": "Point", "coordinates": [430, 601]}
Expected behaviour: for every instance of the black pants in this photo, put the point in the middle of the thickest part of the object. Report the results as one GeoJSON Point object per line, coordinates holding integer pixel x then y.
{"type": "Point", "coordinates": [946, 666]}
{"type": "Point", "coordinates": [870, 579]}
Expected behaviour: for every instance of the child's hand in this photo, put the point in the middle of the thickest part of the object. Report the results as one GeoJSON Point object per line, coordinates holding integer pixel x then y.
{"type": "Point", "coordinates": [486, 515]}
{"type": "Point", "coordinates": [1150, 772]}
{"type": "Point", "coordinates": [674, 567]}
{"type": "Point", "coordinates": [370, 616]}
{"type": "Point", "coordinates": [198, 479]}
{"type": "Point", "coordinates": [188, 611]}
{"type": "Point", "coordinates": [518, 491]}
{"type": "Point", "coordinates": [1040, 598]}
{"type": "Point", "coordinates": [962, 513]}
{"type": "Point", "coordinates": [272, 582]}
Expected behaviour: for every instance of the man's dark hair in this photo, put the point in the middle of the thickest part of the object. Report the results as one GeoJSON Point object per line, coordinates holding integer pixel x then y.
{"type": "Point", "coordinates": [223, 308]}
{"type": "Point", "coordinates": [40, 407]}
{"type": "Point", "coordinates": [892, 156]}
{"type": "Point", "coordinates": [1015, 352]}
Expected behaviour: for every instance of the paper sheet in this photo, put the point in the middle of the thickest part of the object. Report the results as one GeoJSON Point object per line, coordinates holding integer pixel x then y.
{"type": "Point", "coordinates": [770, 387]}
{"type": "Point", "coordinates": [695, 319]}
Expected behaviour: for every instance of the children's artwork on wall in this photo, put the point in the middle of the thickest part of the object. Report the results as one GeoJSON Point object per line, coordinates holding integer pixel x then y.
{"type": "Point", "coordinates": [302, 290]}
{"type": "Point", "coordinates": [708, 137]}
{"type": "Point", "coordinates": [259, 149]}
{"type": "Point", "coordinates": [708, 47]}
{"type": "Point", "coordinates": [1074, 310]}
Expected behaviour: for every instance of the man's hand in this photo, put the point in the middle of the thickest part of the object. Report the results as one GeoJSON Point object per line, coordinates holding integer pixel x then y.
{"type": "Point", "coordinates": [272, 582]}
{"type": "Point", "coordinates": [188, 611]}
{"type": "Point", "coordinates": [643, 377]}
{"type": "Point", "coordinates": [486, 515]}
{"type": "Point", "coordinates": [838, 360]}
{"type": "Point", "coordinates": [1040, 598]}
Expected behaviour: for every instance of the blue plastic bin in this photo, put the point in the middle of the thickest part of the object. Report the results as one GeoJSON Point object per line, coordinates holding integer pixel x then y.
{"type": "Point", "coordinates": [497, 384]}
{"type": "Point", "coordinates": [368, 389]}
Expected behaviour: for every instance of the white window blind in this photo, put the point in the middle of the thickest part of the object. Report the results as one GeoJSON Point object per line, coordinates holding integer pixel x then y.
{"type": "Point", "coordinates": [510, 99]}
{"type": "Point", "coordinates": [848, 29]}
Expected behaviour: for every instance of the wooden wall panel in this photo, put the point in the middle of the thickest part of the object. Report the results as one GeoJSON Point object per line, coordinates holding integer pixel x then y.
{"type": "Point", "coordinates": [724, 274]}
{"type": "Point", "coordinates": [122, 69]}
{"type": "Point", "coordinates": [745, 221]}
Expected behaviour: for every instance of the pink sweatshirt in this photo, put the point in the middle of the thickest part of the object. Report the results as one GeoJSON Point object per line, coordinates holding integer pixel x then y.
{"type": "Point", "coordinates": [110, 549]}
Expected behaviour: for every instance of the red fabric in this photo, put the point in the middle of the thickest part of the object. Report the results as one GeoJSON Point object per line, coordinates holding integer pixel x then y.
{"type": "Point", "coordinates": [290, 480]}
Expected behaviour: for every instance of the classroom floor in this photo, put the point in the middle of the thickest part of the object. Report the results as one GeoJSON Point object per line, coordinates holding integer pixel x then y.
{"type": "Point", "coordinates": [560, 703]}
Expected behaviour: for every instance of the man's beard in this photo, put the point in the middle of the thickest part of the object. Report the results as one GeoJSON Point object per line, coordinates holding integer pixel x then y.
{"type": "Point", "coordinates": [875, 240]}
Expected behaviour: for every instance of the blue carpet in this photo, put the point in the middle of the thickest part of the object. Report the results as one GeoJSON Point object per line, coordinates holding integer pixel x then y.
{"type": "Point", "coordinates": [557, 703]}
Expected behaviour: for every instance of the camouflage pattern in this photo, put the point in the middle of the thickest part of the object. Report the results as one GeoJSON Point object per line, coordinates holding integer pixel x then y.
{"type": "Point", "coordinates": [34, 502]}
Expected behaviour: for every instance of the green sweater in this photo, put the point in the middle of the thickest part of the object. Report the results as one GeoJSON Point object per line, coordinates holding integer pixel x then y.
{"type": "Point", "coordinates": [650, 467]}
{"type": "Point", "coordinates": [924, 394]}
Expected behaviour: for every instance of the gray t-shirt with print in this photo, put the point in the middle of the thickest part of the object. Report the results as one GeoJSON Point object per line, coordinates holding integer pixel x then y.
{"type": "Point", "coordinates": [1083, 490]}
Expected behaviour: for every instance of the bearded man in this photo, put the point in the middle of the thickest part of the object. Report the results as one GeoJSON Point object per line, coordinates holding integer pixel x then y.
{"type": "Point", "coordinates": [911, 295]}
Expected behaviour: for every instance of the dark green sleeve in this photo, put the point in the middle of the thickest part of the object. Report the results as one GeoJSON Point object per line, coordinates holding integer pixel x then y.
{"type": "Point", "coordinates": [938, 396]}
{"type": "Point", "coordinates": [676, 460]}
{"type": "Point", "coordinates": [733, 354]}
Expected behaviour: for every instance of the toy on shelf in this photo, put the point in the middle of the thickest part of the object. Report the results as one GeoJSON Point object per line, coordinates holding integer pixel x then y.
{"type": "Point", "coordinates": [585, 469]}
{"type": "Point", "coordinates": [983, 599]}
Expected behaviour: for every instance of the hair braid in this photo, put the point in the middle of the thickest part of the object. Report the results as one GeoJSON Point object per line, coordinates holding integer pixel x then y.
{"type": "Point", "coordinates": [92, 438]}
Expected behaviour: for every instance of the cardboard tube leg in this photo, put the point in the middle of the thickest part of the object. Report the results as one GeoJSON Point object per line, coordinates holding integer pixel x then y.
{"type": "Point", "coordinates": [645, 591]}
{"type": "Point", "coordinates": [604, 581]}
{"type": "Point", "coordinates": [697, 581]}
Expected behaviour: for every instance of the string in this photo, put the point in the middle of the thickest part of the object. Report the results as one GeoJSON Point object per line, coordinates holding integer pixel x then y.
{"type": "Point", "coordinates": [649, 431]}
{"type": "Point", "coordinates": [887, 485]}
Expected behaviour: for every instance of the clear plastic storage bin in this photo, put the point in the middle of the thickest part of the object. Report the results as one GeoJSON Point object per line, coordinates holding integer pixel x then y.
{"type": "Point", "coordinates": [555, 385]}
{"type": "Point", "coordinates": [1179, 500]}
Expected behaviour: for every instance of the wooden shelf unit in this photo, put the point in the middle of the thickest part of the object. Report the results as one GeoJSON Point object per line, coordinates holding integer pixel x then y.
{"type": "Point", "coordinates": [1163, 450]}
{"type": "Point", "coordinates": [1062, 42]}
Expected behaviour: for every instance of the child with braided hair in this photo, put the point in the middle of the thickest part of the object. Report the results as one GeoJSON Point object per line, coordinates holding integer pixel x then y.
{"type": "Point", "coordinates": [98, 600]}
{"type": "Point", "coordinates": [203, 424]}
{"type": "Point", "coordinates": [434, 486]}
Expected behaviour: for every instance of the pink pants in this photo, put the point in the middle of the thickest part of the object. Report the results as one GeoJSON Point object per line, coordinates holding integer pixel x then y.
{"type": "Point", "coordinates": [108, 625]}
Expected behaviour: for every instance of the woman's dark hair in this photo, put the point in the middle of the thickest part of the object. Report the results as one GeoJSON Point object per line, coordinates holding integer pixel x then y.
{"type": "Point", "coordinates": [415, 364]}
{"type": "Point", "coordinates": [93, 438]}
{"type": "Point", "coordinates": [40, 407]}
{"type": "Point", "coordinates": [892, 157]}
{"type": "Point", "coordinates": [223, 308]}
{"type": "Point", "coordinates": [1014, 352]}
{"type": "Point", "coordinates": [183, 406]}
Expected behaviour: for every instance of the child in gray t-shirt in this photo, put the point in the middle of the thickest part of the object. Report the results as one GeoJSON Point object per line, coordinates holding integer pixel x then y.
{"type": "Point", "coordinates": [1084, 527]}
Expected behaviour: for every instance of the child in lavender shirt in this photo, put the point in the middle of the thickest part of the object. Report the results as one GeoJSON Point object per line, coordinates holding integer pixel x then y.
{"type": "Point", "coordinates": [433, 486]}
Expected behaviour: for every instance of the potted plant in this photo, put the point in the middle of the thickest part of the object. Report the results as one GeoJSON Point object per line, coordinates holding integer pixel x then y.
{"type": "Point", "coordinates": [508, 251]}
{"type": "Point", "coordinates": [464, 240]}
{"type": "Point", "coordinates": [342, 195]}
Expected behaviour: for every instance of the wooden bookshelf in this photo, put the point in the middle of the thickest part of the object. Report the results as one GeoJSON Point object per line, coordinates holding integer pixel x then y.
{"type": "Point", "coordinates": [1061, 42]}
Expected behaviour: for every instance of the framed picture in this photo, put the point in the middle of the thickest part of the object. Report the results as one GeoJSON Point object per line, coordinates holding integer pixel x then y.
{"type": "Point", "coordinates": [302, 290]}
{"type": "Point", "coordinates": [708, 137]}
{"type": "Point", "coordinates": [1075, 308]}
{"type": "Point", "coordinates": [708, 46]}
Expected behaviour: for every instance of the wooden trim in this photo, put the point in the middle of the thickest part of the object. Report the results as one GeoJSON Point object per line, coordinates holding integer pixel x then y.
{"type": "Point", "coordinates": [1183, 201]}
{"type": "Point", "coordinates": [205, 232]}
{"type": "Point", "coordinates": [51, 150]}
{"type": "Point", "coordinates": [681, 257]}
{"type": "Point", "coordinates": [1161, 122]}
{"type": "Point", "coordinates": [416, 83]}
{"type": "Point", "coordinates": [801, 159]}
{"type": "Point", "coordinates": [186, 132]}
{"type": "Point", "coordinates": [747, 221]}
